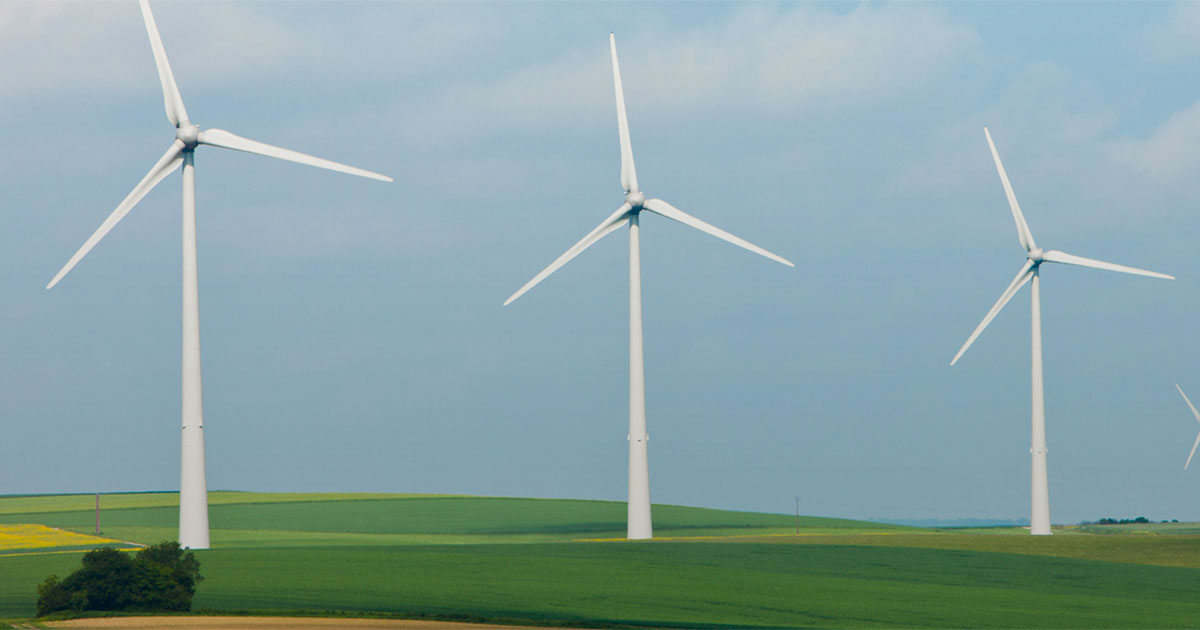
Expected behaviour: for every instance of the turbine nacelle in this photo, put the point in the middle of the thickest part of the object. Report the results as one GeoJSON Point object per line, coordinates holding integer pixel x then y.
{"type": "Point", "coordinates": [1036, 256]}
{"type": "Point", "coordinates": [635, 200]}
{"type": "Point", "coordinates": [188, 134]}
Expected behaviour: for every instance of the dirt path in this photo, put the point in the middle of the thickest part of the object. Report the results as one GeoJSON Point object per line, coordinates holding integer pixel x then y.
{"type": "Point", "coordinates": [264, 623]}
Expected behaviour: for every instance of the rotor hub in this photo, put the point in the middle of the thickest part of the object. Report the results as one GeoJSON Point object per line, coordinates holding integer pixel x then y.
{"type": "Point", "coordinates": [635, 199]}
{"type": "Point", "coordinates": [188, 134]}
{"type": "Point", "coordinates": [1037, 256]}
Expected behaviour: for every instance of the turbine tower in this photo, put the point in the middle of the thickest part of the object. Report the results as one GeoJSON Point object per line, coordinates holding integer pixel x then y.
{"type": "Point", "coordinates": [628, 213]}
{"type": "Point", "coordinates": [193, 493]}
{"type": "Point", "coordinates": [1194, 413]}
{"type": "Point", "coordinates": [1039, 519]}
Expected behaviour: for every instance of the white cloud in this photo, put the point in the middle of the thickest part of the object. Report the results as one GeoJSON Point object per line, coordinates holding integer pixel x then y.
{"type": "Point", "coordinates": [59, 49]}
{"type": "Point", "coordinates": [1175, 37]}
{"type": "Point", "coordinates": [1170, 153]}
{"type": "Point", "coordinates": [99, 48]}
{"type": "Point", "coordinates": [777, 59]}
{"type": "Point", "coordinates": [1046, 125]}
{"type": "Point", "coordinates": [22, 15]}
{"type": "Point", "coordinates": [809, 53]}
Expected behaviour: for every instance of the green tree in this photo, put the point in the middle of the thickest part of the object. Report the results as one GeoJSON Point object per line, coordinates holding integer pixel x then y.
{"type": "Point", "coordinates": [161, 577]}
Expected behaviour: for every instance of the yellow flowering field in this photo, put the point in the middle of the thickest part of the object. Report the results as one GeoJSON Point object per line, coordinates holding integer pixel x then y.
{"type": "Point", "coordinates": [39, 537]}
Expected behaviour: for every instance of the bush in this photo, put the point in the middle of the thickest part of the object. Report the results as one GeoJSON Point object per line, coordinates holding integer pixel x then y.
{"type": "Point", "coordinates": [158, 578]}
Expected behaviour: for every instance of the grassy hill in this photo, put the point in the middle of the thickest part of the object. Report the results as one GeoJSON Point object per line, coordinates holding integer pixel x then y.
{"type": "Point", "coordinates": [548, 562]}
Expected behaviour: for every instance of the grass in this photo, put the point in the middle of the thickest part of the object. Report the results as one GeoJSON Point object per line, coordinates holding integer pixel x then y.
{"type": "Point", "coordinates": [712, 584]}
{"type": "Point", "coordinates": [426, 519]}
{"type": "Point", "coordinates": [1158, 550]}
{"type": "Point", "coordinates": [537, 561]}
{"type": "Point", "coordinates": [40, 503]}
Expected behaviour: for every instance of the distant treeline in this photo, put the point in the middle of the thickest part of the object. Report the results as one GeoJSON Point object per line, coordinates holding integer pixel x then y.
{"type": "Point", "coordinates": [1126, 521]}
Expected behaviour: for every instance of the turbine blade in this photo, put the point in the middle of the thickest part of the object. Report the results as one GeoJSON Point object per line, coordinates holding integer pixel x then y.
{"type": "Point", "coordinates": [1023, 233]}
{"type": "Point", "coordinates": [227, 140]}
{"type": "Point", "coordinates": [1189, 402]}
{"type": "Point", "coordinates": [628, 172]}
{"type": "Point", "coordinates": [171, 97]}
{"type": "Point", "coordinates": [1023, 276]}
{"type": "Point", "coordinates": [167, 163]}
{"type": "Point", "coordinates": [1070, 259]}
{"type": "Point", "coordinates": [660, 207]}
{"type": "Point", "coordinates": [1194, 413]}
{"type": "Point", "coordinates": [609, 225]}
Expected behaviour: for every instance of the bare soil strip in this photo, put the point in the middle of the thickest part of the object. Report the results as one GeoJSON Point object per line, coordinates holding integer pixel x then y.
{"type": "Point", "coordinates": [265, 623]}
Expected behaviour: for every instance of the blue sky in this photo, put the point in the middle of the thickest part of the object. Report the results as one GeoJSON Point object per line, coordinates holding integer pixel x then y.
{"type": "Point", "coordinates": [353, 337]}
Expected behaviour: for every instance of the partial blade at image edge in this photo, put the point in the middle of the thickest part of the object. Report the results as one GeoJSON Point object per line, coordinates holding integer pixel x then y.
{"type": "Point", "coordinates": [172, 99]}
{"type": "Point", "coordinates": [1189, 459]}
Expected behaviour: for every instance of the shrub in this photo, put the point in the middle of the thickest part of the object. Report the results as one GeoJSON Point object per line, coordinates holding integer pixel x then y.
{"type": "Point", "coordinates": [158, 578]}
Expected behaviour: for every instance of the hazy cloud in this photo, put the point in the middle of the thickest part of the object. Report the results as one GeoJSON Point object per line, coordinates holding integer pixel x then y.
{"type": "Point", "coordinates": [1173, 38]}
{"type": "Point", "coordinates": [58, 49]}
{"type": "Point", "coordinates": [1046, 120]}
{"type": "Point", "coordinates": [1170, 153]}
{"type": "Point", "coordinates": [778, 59]}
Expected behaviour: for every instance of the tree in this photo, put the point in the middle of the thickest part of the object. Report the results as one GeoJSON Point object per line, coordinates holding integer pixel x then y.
{"type": "Point", "coordinates": [161, 577]}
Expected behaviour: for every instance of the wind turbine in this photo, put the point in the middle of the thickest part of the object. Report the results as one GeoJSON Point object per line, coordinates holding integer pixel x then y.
{"type": "Point", "coordinates": [628, 214]}
{"type": "Point", "coordinates": [193, 493]}
{"type": "Point", "coordinates": [1039, 520]}
{"type": "Point", "coordinates": [1194, 413]}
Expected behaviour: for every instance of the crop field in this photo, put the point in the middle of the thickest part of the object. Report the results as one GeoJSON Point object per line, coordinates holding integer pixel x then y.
{"type": "Point", "coordinates": [27, 539]}
{"type": "Point", "coordinates": [552, 562]}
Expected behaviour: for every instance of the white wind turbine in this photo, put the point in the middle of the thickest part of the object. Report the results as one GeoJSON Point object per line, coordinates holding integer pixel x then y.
{"type": "Point", "coordinates": [193, 493]}
{"type": "Point", "coordinates": [639, 526]}
{"type": "Point", "coordinates": [1194, 413]}
{"type": "Point", "coordinates": [1039, 520]}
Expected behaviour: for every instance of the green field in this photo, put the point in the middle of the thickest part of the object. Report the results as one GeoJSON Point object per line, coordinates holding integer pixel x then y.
{"type": "Point", "coordinates": [548, 562]}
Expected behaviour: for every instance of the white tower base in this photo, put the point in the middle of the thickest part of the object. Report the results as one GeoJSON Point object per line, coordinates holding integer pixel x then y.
{"type": "Point", "coordinates": [193, 489]}
{"type": "Point", "coordinates": [1039, 511]}
{"type": "Point", "coordinates": [639, 527]}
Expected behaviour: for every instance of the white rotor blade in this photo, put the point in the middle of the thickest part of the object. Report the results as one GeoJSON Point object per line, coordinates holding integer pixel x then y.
{"type": "Point", "coordinates": [168, 163]}
{"type": "Point", "coordinates": [1189, 402]}
{"type": "Point", "coordinates": [1070, 259]}
{"type": "Point", "coordinates": [227, 140]}
{"type": "Point", "coordinates": [1023, 233]}
{"type": "Point", "coordinates": [1194, 413]}
{"type": "Point", "coordinates": [1189, 459]}
{"type": "Point", "coordinates": [628, 172]}
{"type": "Point", "coordinates": [171, 98]}
{"type": "Point", "coordinates": [612, 223]}
{"type": "Point", "coordinates": [660, 207]}
{"type": "Point", "coordinates": [1023, 276]}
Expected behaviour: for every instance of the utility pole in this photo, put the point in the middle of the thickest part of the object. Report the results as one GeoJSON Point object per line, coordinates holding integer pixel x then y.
{"type": "Point", "coordinates": [97, 513]}
{"type": "Point", "coordinates": [797, 515]}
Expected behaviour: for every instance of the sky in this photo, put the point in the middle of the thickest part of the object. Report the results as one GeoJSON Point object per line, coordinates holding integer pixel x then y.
{"type": "Point", "coordinates": [352, 331]}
